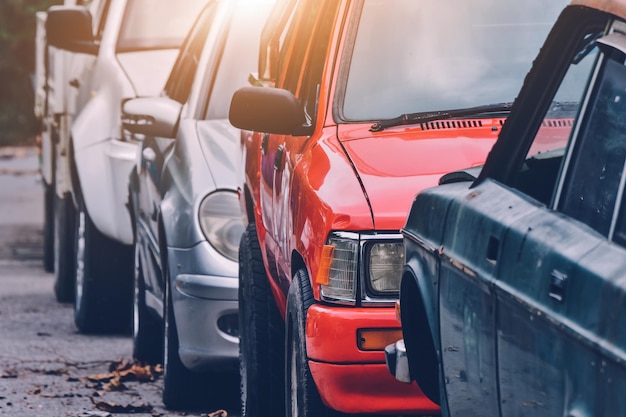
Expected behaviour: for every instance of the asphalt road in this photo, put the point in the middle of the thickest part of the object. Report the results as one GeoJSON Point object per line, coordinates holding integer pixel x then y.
{"type": "Point", "coordinates": [47, 369]}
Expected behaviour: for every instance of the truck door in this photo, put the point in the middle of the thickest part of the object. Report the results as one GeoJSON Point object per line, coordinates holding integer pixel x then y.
{"type": "Point", "coordinates": [559, 292]}
{"type": "Point", "coordinates": [470, 259]}
{"type": "Point", "coordinates": [313, 21]}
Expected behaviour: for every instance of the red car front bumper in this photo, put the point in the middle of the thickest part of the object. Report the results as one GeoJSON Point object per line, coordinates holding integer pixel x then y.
{"type": "Point", "coordinates": [352, 380]}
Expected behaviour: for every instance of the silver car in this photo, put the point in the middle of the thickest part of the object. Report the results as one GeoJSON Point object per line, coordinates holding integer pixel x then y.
{"type": "Point", "coordinates": [184, 202]}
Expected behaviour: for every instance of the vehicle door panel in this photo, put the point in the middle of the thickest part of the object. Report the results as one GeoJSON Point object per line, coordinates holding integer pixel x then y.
{"type": "Point", "coordinates": [154, 152]}
{"type": "Point", "coordinates": [470, 261]}
{"type": "Point", "coordinates": [533, 291]}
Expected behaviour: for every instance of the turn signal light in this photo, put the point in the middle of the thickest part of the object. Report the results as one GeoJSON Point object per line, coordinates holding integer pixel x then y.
{"type": "Point", "coordinates": [326, 260]}
{"type": "Point", "coordinates": [397, 308]}
{"type": "Point", "coordinates": [377, 339]}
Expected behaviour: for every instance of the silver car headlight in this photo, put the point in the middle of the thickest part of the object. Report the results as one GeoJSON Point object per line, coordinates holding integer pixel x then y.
{"type": "Point", "coordinates": [361, 267]}
{"type": "Point", "coordinates": [221, 222]}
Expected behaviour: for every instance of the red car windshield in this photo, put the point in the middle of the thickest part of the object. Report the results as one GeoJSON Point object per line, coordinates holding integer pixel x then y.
{"type": "Point", "coordinates": [415, 56]}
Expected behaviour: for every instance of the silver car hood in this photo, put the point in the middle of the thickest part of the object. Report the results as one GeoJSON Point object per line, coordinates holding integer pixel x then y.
{"type": "Point", "coordinates": [148, 70]}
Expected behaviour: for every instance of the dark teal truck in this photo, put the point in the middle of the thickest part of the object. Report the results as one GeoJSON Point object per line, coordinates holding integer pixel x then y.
{"type": "Point", "coordinates": [514, 288]}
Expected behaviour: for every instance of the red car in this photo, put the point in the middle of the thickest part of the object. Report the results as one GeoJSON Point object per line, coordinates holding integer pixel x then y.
{"type": "Point", "coordinates": [362, 104]}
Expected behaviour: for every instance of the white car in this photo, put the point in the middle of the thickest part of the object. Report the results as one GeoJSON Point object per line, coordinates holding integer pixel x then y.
{"type": "Point", "coordinates": [132, 49]}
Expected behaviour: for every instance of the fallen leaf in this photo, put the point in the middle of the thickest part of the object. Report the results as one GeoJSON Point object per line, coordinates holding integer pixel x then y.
{"type": "Point", "coordinates": [12, 373]}
{"type": "Point", "coordinates": [117, 408]}
{"type": "Point", "coordinates": [128, 371]}
{"type": "Point", "coordinates": [94, 414]}
{"type": "Point", "coordinates": [115, 385]}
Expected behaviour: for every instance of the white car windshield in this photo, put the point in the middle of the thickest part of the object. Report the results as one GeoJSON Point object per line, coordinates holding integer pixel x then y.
{"type": "Point", "coordinates": [417, 56]}
{"type": "Point", "coordinates": [157, 24]}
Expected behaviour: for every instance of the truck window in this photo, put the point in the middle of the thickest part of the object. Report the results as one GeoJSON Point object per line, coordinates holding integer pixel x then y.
{"type": "Point", "coordinates": [593, 177]}
{"type": "Point", "coordinates": [540, 171]}
{"type": "Point", "coordinates": [316, 58]}
{"type": "Point", "coordinates": [297, 41]}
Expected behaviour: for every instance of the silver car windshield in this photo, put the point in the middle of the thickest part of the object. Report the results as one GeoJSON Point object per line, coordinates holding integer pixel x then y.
{"type": "Point", "coordinates": [416, 56]}
{"type": "Point", "coordinates": [157, 24]}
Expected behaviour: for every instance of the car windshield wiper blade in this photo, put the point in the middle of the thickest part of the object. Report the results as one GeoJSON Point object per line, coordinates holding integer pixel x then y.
{"type": "Point", "coordinates": [425, 117]}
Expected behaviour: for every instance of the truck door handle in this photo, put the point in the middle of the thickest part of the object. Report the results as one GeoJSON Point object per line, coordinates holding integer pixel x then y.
{"type": "Point", "coordinates": [148, 155]}
{"type": "Point", "coordinates": [558, 283]}
{"type": "Point", "coordinates": [278, 159]}
{"type": "Point", "coordinates": [493, 247]}
{"type": "Point", "coordinates": [265, 143]}
{"type": "Point", "coordinates": [154, 215]}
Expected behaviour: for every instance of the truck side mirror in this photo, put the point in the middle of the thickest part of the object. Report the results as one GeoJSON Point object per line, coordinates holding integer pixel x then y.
{"type": "Point", "coordinates": [70, 28]}
{"type": "Point", "coordinates": [269, 110]}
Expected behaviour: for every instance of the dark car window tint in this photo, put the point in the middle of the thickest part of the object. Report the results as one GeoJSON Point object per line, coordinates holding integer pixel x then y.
{"type": "Point", "coordinates": [179, 83]}
{"type": "Point", "coordinates": [299, 42]}
{"type": "Point", "coordinates": [316, 58]}
{"type": "Point", "coordinates": [593, 178]}
{"type": "Point", "coordinates": [540, 171]}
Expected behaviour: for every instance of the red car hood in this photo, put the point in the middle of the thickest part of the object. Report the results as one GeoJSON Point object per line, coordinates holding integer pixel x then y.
{"type": "Point", "coordinates": [396, 164]}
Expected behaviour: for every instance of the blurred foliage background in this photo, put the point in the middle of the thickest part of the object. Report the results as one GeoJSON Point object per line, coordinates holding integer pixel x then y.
{"type": "Point", "coordinates": [18, 125]}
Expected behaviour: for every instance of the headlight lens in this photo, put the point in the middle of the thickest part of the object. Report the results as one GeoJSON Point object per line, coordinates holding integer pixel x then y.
{"type": "Point", "coordinates": [385, 264]}
{"type": "Point", "coordinates": [221, 222]}
{"type": "Point", "coordinates": [343, 272]}
{"type": "Point", "coordinates": [361, 266]}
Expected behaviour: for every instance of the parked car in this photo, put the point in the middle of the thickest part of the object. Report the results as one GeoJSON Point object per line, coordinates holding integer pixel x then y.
{"type": "Point", "coordinates": [512, 294]}
{"type": "Point", "coordinates": [183, 199]}
{"type": "Point", "coordinates": [370, 100]}
{"type": "Point", "coordinates": [130, 47]}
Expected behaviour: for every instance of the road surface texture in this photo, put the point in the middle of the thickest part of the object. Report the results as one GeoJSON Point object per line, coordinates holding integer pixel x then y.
{"type": "Point", "coordinates": [47, 369]}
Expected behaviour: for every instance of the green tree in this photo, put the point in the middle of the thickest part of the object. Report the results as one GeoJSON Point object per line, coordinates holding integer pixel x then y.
{"type": "Point", "coordinates": [17, 59]}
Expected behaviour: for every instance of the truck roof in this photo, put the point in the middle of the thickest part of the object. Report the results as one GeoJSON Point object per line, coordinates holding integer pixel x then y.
{"type": "Point", "coordinates": [615, 7]}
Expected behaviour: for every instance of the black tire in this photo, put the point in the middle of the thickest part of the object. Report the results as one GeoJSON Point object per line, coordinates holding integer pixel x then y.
{"type": "Point", "coordinates": [48, 227]}
{"type": "Point", "coordinates": [261, 335]}
{"type": "Point", "coordinates": [419, 342]}
{"type": "Point", "coordinates": [301, 394]}
{"type": "Point", "coordinates": [64, 260]}
{"type": "Point", "coordinates": [147, 329]}
{"type": "Point", "coordinates": [104, 280]}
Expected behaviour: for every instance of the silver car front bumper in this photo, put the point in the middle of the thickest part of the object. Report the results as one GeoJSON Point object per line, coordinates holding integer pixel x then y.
{"type": "Point", "coordinates": [205, 308]}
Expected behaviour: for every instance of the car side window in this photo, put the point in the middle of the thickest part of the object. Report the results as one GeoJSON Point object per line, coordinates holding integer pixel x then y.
{"type": "Point", "coordinates": [99, 18]}
{"type": "Point", "coordinates": [297, 41]}
{"type": "Point", "coordinates": [306, 44]}
{"type": "Point", "coordinates": [576, 164]}
{"type": "Point", "coordinates": [542, 165]}
{"type": "Point", "coordinates": [179, 84]}
{"type": "Point", "coordinates": [594, 174]}
{"type": "Point", "coordinates": [316, 58]}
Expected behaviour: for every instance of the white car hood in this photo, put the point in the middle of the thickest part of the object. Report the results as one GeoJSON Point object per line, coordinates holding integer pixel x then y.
{"type": "Point", "coordinates": [148, 70]}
